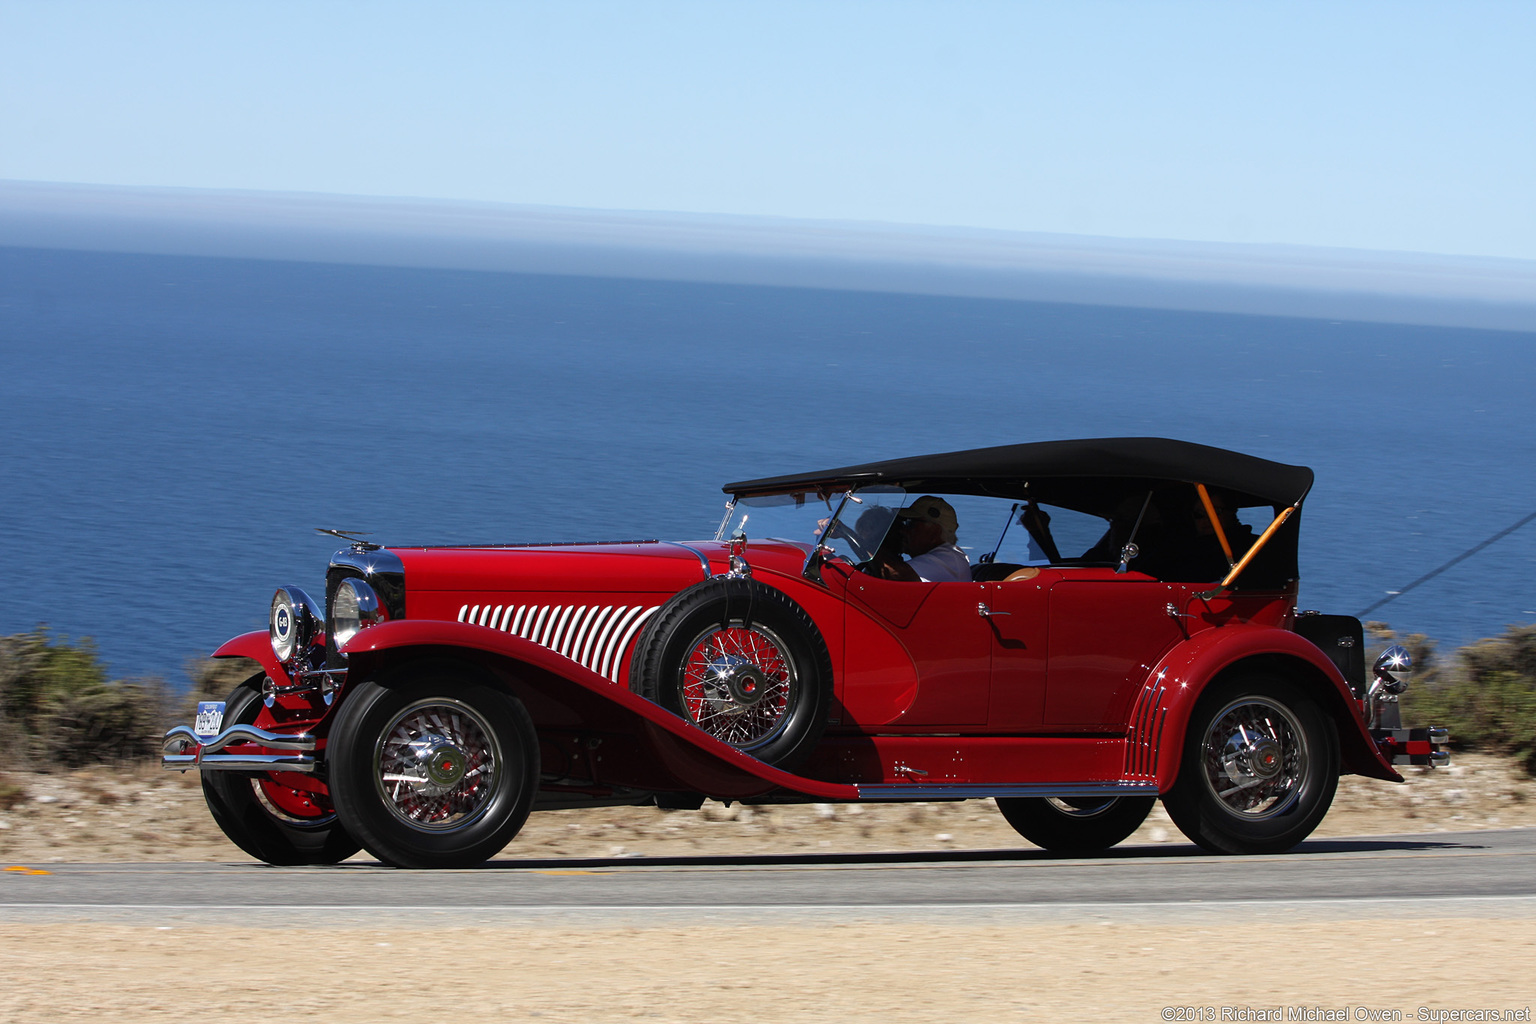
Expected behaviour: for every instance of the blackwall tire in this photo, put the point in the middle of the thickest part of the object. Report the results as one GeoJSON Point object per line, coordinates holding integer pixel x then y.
{"type": "Point", "coordinates": [433, 767]}
{"type": "Point", "coordinates": [743, 662]}
{"type": "Point", "coordinates": [250, 807]}
{"type": "Point", "coordinates": [1078, 826]}
{"type": "Point", "coordinates": [1259, 768]}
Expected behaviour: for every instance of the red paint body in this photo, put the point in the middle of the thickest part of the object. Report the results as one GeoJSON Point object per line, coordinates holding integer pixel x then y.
{"type": "Point", "coordinates": [1078, 675]}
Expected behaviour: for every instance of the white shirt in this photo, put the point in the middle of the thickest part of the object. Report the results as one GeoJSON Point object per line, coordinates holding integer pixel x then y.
{"type": "Point", "coordinates": [943, 564]}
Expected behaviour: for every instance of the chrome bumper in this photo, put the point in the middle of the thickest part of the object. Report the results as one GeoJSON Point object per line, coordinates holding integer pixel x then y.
{"type": "Point", "coordinates": [205, 754]}
{"type": "Point", "coordinates": [1424, 746]}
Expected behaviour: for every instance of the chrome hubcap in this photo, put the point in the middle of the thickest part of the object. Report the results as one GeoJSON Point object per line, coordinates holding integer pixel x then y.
{"type": "Point", "coordinates": [1251, 759]}
{"type": "Point", "coordinates": [732, 684]}
{"type": "Point", "coordinates": [1255, 758]}
{"type": "Point", "coordinates": [440, 763]}
{"type": "Point", "coordinates": [437, 765]}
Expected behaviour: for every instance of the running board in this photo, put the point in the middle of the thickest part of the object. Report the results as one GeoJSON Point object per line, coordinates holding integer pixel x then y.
{"type": "Point", "coordinates": [980, 791]}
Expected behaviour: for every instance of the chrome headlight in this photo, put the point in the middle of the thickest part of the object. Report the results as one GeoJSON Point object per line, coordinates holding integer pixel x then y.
{"type": "Point", "coordinates": [355, 607]}
{"type": "Point", "coordinates": [293, 623]}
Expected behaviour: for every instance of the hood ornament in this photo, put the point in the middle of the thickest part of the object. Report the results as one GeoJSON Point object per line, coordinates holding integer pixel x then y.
{"type": "Point", "coordinates": [352, 537]}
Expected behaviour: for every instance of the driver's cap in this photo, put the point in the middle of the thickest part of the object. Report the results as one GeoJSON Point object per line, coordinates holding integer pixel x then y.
{"type": "Point", "coordinates": [931, 509]}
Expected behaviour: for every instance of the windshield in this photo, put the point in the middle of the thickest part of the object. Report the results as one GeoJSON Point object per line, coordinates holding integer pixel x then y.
{"type": "Point", "coordinates": [851, 528]}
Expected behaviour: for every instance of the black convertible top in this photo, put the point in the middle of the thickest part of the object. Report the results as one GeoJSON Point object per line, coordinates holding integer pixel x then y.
{"type": "Point", "coordinates": [1090, 474]}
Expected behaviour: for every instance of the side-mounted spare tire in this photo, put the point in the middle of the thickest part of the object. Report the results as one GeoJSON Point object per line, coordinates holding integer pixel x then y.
{"type": "Point", "coordinates": [743, 662]}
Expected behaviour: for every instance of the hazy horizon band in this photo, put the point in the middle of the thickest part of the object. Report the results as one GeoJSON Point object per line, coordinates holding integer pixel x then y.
{"type": "Point", "coordinates": [1286, 280]}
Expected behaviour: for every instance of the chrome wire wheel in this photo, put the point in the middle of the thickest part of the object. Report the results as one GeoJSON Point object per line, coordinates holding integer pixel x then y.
{"type": "Point", "coordinates": [1259, 766]}
{"type": "Point", "coordinates": [738, 683]}
{"type": "Point", "coordinates": [436, 765]}
{"type": "Point", "coordinates": [743, 662]}
{"type": "Point", "coordinates": [1254, 758]}
{"type": "Point", "coordinates": [433, 766]}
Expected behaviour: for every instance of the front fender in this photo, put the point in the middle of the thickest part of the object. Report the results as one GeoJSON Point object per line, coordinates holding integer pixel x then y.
{"type": "Point", "coordinates": [652, 748]}
{"type": "Point", "coordinates": [1176, 683]}
{"type": "Point", "coordinates": [258, 647]}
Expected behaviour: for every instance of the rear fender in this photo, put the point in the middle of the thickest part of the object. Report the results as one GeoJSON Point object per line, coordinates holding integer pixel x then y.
{"type": "Point", "coordinates": [583, 718]}
{"type": "Point", "coordinates": [1184, 673]}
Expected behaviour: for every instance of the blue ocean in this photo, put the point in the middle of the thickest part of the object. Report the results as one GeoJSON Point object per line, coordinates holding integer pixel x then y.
{"type": "Point", "coordinates": [173, 429]}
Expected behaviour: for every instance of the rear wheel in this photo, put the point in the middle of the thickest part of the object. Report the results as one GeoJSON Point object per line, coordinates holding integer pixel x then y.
{"type": "Point", "coordinates": [435, 768]}
{"type": "Point", "coordinates": [280, 817]}
{"type": "Point", "coordinates": [1259, 769]}
{"type": "Point", "coordinates": [1079, 825]}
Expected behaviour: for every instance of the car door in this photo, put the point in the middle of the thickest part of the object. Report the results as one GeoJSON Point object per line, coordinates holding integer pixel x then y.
{"type": "Point", "coordinates": [1106, 633]}
{"type": "Point", "coordinates": [949, 642]}
{"type": "Point", "coordinates": [1015, 612]}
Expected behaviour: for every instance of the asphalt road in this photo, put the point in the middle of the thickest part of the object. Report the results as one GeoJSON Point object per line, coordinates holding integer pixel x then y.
{"type": "Point", "coordinates": [1484, 873]}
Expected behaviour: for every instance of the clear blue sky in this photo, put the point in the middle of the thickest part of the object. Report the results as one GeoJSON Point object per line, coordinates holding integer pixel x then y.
{"type": "Point", "coordinates": [1375, 125]}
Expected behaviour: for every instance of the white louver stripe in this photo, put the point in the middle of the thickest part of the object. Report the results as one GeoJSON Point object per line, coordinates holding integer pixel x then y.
{"type": "Point", "coordinates": [593, 636]}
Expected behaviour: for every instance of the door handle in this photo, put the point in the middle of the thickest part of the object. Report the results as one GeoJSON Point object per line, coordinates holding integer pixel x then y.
{"type": "Point", "coordinates": [987, 613]}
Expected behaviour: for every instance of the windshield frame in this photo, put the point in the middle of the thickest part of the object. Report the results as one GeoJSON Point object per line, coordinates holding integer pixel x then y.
{"type": "Point", "coordinates": [820, 524]}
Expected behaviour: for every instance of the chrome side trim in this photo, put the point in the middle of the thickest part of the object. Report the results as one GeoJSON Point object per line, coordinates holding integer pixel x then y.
{"type": "Point", "coordinates": [239, 762]}
{"type": "Point", "coordinates": [181, 737]}
{"type": "Point", "coordinates": [1143, 740]}
{"type": "Point", "coordinates": [977, 791]}
{"type": "Point", "coordinates": [697, 554]}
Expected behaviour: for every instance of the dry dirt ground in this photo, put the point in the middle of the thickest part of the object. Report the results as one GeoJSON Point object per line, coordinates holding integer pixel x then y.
{"type": "Point", "coordinates": [102, 814]}
{"type": "Point", "coordinates": [877, 973]}
{"type": "Point", "coordinates": [1105, 968]}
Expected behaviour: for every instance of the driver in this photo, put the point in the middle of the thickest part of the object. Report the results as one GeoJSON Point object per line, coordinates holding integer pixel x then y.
{"type": "Point", "coordinates": [926, 529]}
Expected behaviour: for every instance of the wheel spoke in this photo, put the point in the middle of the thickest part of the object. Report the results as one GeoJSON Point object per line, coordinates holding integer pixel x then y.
{"type": "Point", "coordinates": [737, 683]}
{"type": "Point", "coordinates": [1254, 757]}
{"type": "Point", "coordinates": [437, 765]}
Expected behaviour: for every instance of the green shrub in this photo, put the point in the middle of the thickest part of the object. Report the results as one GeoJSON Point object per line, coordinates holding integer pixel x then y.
{"type": "Point", "coordinates": [1486, 697]}
{"type": "Point", "coordinates": [59, 710]}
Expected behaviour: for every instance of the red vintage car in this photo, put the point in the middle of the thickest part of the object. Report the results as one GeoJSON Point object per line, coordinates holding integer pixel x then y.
{"type": "Point", "coordinates": [1081, 628]}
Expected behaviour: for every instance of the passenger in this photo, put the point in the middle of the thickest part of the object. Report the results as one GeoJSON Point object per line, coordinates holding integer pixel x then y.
{"type": "Point", "coordinates": [926, 529]}
{"type": "Point", "coordinates": [1175, 540]}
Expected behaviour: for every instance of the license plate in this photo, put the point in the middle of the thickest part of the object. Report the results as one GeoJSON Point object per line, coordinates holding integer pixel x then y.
{"type": "Point", "coordinates": [210, 718]}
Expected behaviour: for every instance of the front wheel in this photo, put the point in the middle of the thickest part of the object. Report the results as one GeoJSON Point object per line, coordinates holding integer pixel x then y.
{"type": "Point", "coordinates": [283, 818]}
{"type": "Point", "coordinates": [434, 768]}
{"type": "Point", "coordinates": [1079, 825]}
{"type": "Point", "coordinates": [1259, 769]}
